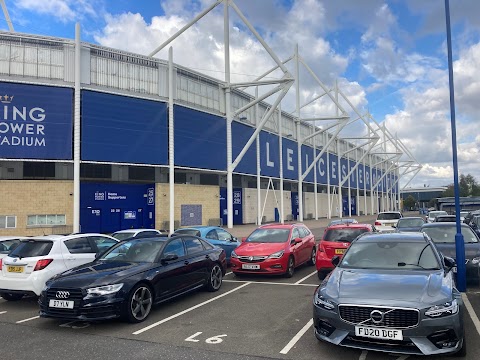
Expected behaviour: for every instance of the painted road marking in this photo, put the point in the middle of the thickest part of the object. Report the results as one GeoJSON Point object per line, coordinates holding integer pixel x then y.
{"type": "Point", "coordinates": [363, 355]}
{"type": "Point", "coordinates": [188, 310]}
{"type": "Point", "coordinates": [2, 312]}
{"type": "Point", "coordinates": [297, 337]}
{"type": "Point", "coordinates": [228, 273]}
{"type": "Point", "coordinates": [268, 283]}
{"type": "Point", "coordinates": [305, 278]}
{"type": "Point", "coordinates": [25, 320]}
{"type": "Point", "coordinates": [471, 312]}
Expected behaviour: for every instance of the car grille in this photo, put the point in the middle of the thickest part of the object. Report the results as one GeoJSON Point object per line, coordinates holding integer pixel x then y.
{"type": "Point", "coordinates": [74, 294]}
{"type": "Point", "coordinates": [252, 259]}
{"type": "Point", "coordinates": [393, 317]}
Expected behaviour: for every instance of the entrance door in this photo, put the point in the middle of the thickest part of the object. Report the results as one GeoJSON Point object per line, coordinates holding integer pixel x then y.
{"type": "Point", "coordinates": [354, 205]}
{"type": "Point", "coordinates": [294, 205]}
{"type": "Point", "coordinates": [91, 220]}
{"type": "Point", "coordinates": [237, 206]}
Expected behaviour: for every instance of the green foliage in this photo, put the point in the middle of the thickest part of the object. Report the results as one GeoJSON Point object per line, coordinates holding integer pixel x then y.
{"type": "Point", "coordinates": [433, 203]}
{"type": "Point", "coordinates": [467, 185]}
{"type": "Point", "coordinates": [409, 202]}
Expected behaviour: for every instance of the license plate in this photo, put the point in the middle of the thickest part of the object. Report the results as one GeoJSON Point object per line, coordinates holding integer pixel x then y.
{"type": "Point", "coordinates": [378, 333]}
{"type": "Point", "coordinates": [250, 267]}
{"type": "Point", "coordinates": [339, 251]}
{"type": "Point", "coordinates": [62, 304]}
{"type": "Point", "coordinates": [15, 269]}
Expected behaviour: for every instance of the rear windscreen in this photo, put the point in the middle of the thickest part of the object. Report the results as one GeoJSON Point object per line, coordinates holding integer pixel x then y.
{"type": "Point", "coordinates": [389, 216]}
{"type": "Point", "coordinates": [32, 248]}
{"type": "Point", "coordinates": [188, 232]}
{"type": "Point", "coordinates": [343, 235]}
{"type": "Point", "coordinates": [8, 245]}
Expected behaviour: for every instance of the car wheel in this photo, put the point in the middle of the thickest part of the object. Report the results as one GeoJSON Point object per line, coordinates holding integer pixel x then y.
{"type": "Point", "coordinates": [463, 350]}
{"type": "Point", "coordinates": [322, 274]}
{"type": "Point", "coordinates": [313, 257]}
{"type": "Point", "coordinates": [215, 278]}
{"type": "Point", "coordinates": [139, 303]}
{"type": "Point", "coordinates": [290, 267]}
{"type": "Point", "coordinates": [12, 297]}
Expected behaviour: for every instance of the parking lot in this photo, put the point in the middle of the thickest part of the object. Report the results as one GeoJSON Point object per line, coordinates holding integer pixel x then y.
{"type": "Point", "coordinates": [268, 317]}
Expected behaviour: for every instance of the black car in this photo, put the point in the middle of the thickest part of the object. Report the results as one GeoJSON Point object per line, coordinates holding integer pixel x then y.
{"type": "Point", "coordinates": [131, 277]}
{"type": "Point", "coordinates": [443, 235]}
{"type": "Point", "coordinates": [410, 224]}
{"type": "Point", "coordinates": [446, 218]}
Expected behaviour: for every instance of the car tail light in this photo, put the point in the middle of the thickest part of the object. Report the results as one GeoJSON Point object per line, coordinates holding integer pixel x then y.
{"type": "Point", "coordinates": [378, 223]}
{"type": "Point", "coordinates": [320, 248]}
{"type": "Point", "coordinates": [0, 264]}
{"type": "Point", "coordinates": [42, 264]}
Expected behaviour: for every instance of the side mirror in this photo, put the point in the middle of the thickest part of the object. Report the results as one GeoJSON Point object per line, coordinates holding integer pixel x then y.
{"type": "Point", "coordinates": [244, 239]}
{"type": "Point", "coordinates": [295, 241]}
{"type": "Point", "coordinates": [449, 263]}
{"type": "Point", "coordinates": [335, 260]}
{"type": "Point", "coordinates": [169, 257]}
{"type": "Point", "coordinates": [394, 226]}
{"type": "Point", "coordinates": [233, 239]}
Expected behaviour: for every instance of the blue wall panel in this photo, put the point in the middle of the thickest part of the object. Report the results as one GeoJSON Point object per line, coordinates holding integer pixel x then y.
{"type": "Point", "coordinates": [200, 139]}
{"type": "Point", "coordinates": [35, 122]}
{"type": "Point", "coordinates": [290, 159]}
{"type": "Point", "coordinates": [353, 177]}
{"type": "Point", "coordinates": [122, 129]}
{"type": "Point", "coordinates": [307, 159]}
{"type": "Point", "coordinates": [269, 154]}
{"type": "Point", "coordinates": [240, 135]}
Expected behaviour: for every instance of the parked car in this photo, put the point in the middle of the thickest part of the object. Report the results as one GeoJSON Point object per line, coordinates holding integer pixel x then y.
{"type": "Point", "coordinates": [408, 224]}
{"type": "Point", "coordinates": [343, 221]}
{"type": "Point", "coordinates": [274, 249]}
{"type": "Point", "coordinates": [470, 216]}
{"type": "Point", "coordinates": [392, 293]}
{"type": "Point", "coordinates": [387, 220]}
{"type": "Point", "coordinates": [475, 224]}
{"type": "Point", "coordinates": [215, 235]}
{"type": "Point", "coordinates": [443, 235]}
{"type": "Point", "coordinates": [433, 214]}
{"type": "Point", "coordinates": [445, 218]}
{"type": "Point", "coordinates": [134, 233]}
{"type": "Point", "coordinates": [8, 243]}
{"type": "Point", "coordinates": [336, 239]}
{"type": "Point", "coordinates": [133, 276]}
{"type": "Point", "coordinates": [463, 214]}
{"type": "Point", "coordinates": [35, 260]}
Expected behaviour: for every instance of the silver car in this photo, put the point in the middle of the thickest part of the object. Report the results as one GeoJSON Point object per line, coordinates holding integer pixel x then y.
{"type": "Point", "coordinates": [393, 293]}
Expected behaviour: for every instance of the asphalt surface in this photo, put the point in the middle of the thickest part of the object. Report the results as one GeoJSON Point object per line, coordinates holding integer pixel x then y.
{"type": "Point", "coordinates": [250, 317]}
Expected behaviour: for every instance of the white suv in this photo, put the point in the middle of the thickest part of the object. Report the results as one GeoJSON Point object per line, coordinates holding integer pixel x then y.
{"type": "Point", "coordinates": [35, 260]}
{"type": "Point", "coordinates": [432, 215]}
{"type": "Point", "coordinates": [387, 221]}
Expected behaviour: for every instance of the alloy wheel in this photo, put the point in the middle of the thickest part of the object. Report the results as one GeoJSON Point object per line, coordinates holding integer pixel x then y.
{"type": "Point", "coordinates": [216, 277]}
{"type": "Point", "coordinates": [141, 303]}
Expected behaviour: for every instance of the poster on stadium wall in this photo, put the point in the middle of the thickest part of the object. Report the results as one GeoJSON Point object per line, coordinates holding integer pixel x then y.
{"type": "Point", "coordinates": [36, 122]}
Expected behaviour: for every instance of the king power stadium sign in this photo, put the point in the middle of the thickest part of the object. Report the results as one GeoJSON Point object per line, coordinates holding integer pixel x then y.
{"type": "Point", "coordinates": [35, 122]}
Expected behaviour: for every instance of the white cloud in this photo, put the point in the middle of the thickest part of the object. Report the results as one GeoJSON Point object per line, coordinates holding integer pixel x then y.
{"type": "Point", "coordinates": [63, 10]}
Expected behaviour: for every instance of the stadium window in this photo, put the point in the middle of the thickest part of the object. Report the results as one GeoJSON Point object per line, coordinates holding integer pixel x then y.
{"type": "Point", "coordinates": [141, 173]}
{"type": "Point", "coordinates": [38, 170]}
{"type": "Point", "coordinates": [96, 171]}
{"type": "Point", "coordinates": [8, 222]}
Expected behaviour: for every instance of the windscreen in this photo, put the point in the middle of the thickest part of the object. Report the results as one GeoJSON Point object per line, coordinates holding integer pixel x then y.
{"type": "Point", "coordinates": [446, 234]}
{"type": "Point", "coordinates": [269, 236]}
{"type": "Point", "coordinates": [390, 255]}
{"type": "Point", "coordinates": [434, 214]}
{"type": "Point", "coordinates": [32, 248]}
{"type": "Point", "coordinates": [140, 250]}
{"type": "Point", "coordinates": [123, 235]}
{"type": "Point", "coordinates": [188, 232]}
{"type": "Point", "coordinates": [388, 216]}
{"type": "Point", "coordinates": [406, 223]}
{"type": "Point", "coordinates": [343, 235]}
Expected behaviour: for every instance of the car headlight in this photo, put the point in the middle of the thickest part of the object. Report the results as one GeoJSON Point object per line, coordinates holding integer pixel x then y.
{"type": "Point", "coordinates": [104, 290]}
{"type": "Point", "coordinates": [321, 301]}
{"type": "Point", "coordinates": [234, 255]}
{"type": "Point", "coordinates": [476, 260]}
{"type": "Point", "coordinates": [277, 255]}
{"type": "Point", "coordinates": [449, 308]}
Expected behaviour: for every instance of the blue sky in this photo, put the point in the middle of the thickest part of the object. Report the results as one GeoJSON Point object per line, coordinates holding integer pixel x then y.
{"type": "Point", "coordinates": [389, 56]}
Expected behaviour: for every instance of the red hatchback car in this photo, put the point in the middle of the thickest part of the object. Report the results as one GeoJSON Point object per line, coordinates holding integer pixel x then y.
{"type": "Point", "coordinates": [336, 239]}
{"type": "Point", "coordinates": [274, 249]}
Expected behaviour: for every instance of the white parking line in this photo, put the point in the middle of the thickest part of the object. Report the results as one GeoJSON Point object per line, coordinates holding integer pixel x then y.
{"type": "Point", "coordinates": [363, 355]}
{"type": "Point", "coordinates": [471, 312]}
{"type": "Point", "coordinates": [25, 320]}
{"type": "Point", "coordinates": [305, 278]}
{"type": "Point", "coordinates": [270, 283]}
{"type": "Point", "coordinates": [188, 310]}
{"type": "Point", "coordinates": [2, 312]}
{"type": "Point", "coordinates": [297, 337]}
{"type": "Point", "coordinates": [228, 273]}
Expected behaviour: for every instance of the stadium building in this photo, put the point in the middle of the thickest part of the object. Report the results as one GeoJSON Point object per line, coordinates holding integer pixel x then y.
{"type": "Point", "coordinates": [128, 121]}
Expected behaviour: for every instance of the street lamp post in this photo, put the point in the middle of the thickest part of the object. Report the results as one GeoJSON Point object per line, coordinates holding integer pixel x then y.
{"type": "Point", "coordinates": [459, 243]}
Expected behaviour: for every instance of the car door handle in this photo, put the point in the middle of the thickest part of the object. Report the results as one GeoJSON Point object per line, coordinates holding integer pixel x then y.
{"type": "Point", "coordinates": [71, 258]}
{"type": "Point", "coordinates": [186, 262]}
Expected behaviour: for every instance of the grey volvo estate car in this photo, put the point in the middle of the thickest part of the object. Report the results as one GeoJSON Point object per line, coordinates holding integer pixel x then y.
{"type": "Point", "coordinates": [394, 293]}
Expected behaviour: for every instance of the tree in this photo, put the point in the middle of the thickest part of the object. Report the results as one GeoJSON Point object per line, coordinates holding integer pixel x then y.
{"type": "Point", "coordinates": [409, 202]}
{"type": "Point", "coordinates": [433, 203]}
{"type": "Point", "coordinates": [467, 185]}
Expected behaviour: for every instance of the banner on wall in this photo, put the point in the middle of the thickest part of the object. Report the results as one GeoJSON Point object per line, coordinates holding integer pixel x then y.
{"type": "Point", "coordinates": [35, 122]}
